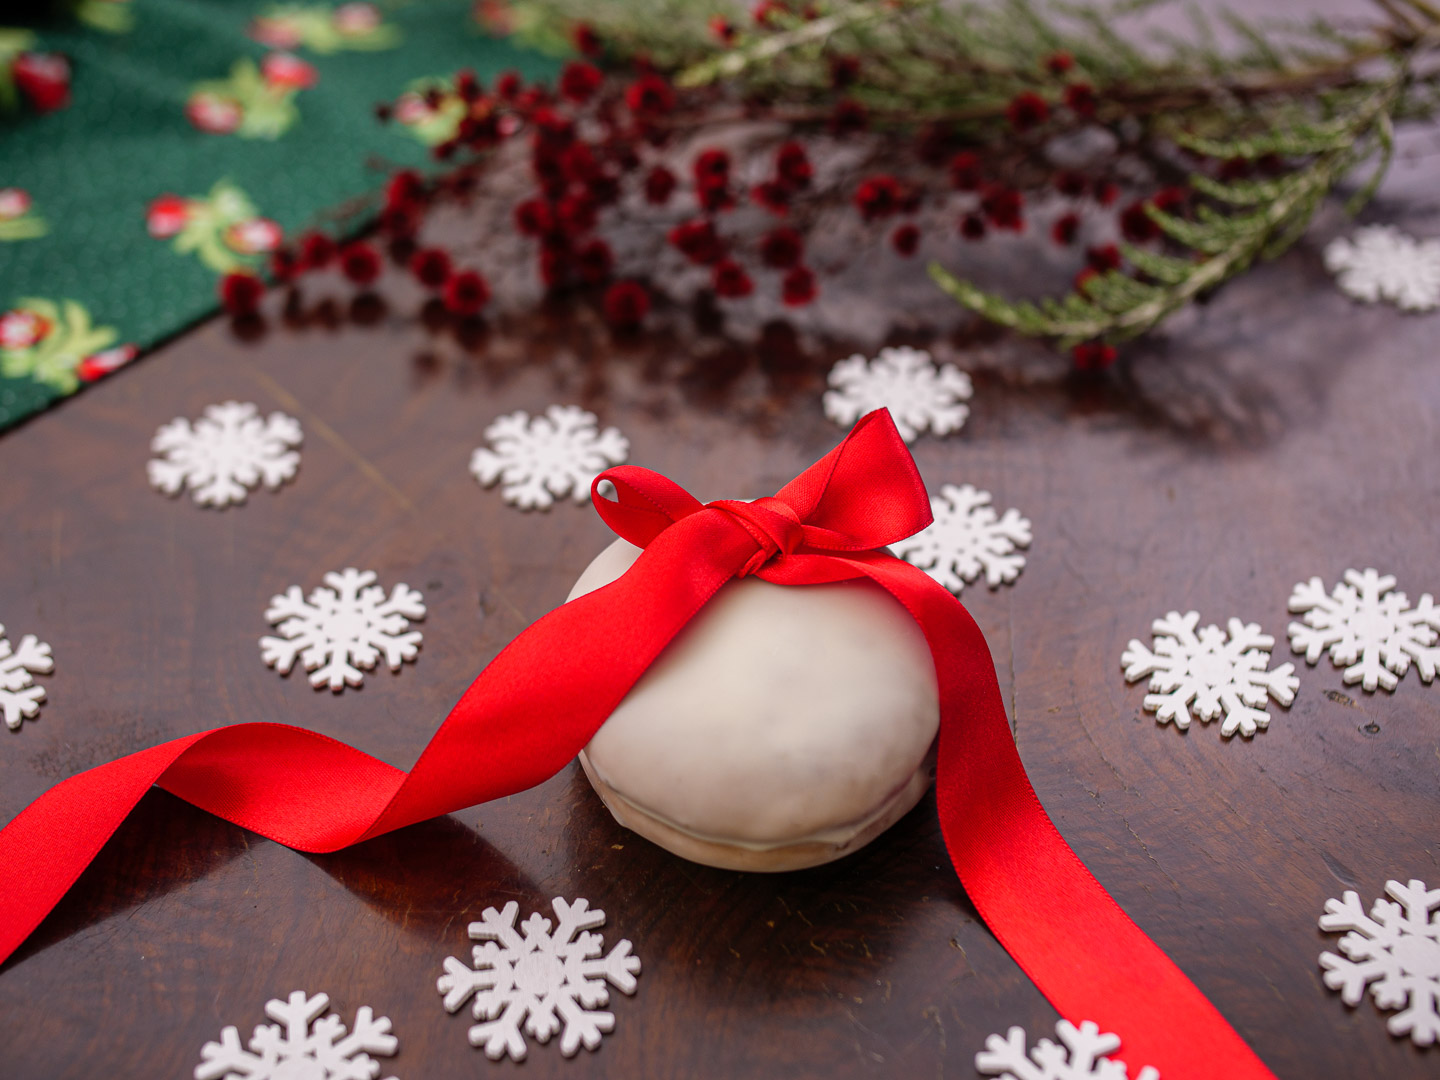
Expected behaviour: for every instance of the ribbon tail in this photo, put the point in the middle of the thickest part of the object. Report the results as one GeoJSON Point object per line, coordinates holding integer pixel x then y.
{"type": "Point", "coordinates": [52, 840]}
{"type": "Point", "coordinates": [1036, 896]}
{"type": "Point", "coordinates": [526, 716]}
{"type": "Point", "coordinates": [298, 787]}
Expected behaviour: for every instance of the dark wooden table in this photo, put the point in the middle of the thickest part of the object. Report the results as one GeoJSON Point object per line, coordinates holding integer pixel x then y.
{"type": "Point", "coordinates": [1281, 433]}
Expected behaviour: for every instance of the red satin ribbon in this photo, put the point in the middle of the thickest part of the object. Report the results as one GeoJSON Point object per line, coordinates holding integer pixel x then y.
{"type": "Point", "coordinates": [541, 700]}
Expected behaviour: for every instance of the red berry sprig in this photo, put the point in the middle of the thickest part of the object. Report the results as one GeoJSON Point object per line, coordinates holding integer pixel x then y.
{"type": "Point", "coordinates": [600, 150]}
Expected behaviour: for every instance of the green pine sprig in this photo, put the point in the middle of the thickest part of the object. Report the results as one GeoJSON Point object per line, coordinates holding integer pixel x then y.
{"type": "Point", "coordinates": [1306, 96]}
{"type": "Point", "coordinates": [1242, 221]}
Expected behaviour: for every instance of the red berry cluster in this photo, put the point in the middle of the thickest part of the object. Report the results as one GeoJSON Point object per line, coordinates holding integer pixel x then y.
{"type": "Point", "coordinates": [600, 134]}
{"type": "Point", "coordinates": [1093, 355]}
{"type": "Point", "coordinates": [576, 180]}
{"type": "Point", "coordinates": [781, 248]}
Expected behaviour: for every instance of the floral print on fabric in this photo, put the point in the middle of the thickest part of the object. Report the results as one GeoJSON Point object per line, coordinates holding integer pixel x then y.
{"type": "Point", "coordinates": [322, 29]}
{"type": "Point", "coordinates": [57, 344]}
{"type": "Point", "coordinates": [430, 110]}
{"type": "Point", "coordinates": [256, 101]}
{"type": "Point", "coordinates": [18, 220]}
{"type": "Point", "coordinates": [222, 229]}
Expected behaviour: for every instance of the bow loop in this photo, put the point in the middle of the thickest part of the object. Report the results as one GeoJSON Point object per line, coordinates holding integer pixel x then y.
{"type": "Point", "coordinates": [645, 503]}
{"type": "Point", "coordinates": [864, 494]}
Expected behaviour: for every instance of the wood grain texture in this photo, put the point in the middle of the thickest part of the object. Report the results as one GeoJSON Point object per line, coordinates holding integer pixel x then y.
{"type": "Point", "coordinates": [1285, 433]}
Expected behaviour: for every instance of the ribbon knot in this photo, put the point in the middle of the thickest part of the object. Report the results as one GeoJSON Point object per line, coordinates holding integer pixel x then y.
{"type": "Point", "coordinates": [773, 523]}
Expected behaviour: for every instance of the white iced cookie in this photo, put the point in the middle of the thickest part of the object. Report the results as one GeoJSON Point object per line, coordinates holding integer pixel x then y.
{"type": "Point", "coordinates": [783, 728]}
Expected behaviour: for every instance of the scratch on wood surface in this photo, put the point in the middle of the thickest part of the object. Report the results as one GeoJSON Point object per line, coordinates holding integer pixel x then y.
{"type": "Point", "coordinates": [1090, 738]}
{"type": "Point", "coordinates": [256, 887]}
{"type": "Point", "coordinates": [1124, 787]}
{"type": "Point", "coordinates": [1339, 870]}
{"type": "Point", "coordinates": [955, 944]}
{"type": "Point", "coordinates": [932, 1013]}
{"type": "Point", "coordinates": [1279, 994]}
{"type": "Point", "coordinates": [1174, 885]}
{"type": "Point", "coordinates": [874, 1036]}
{"type": "Point", "coordinates": [330, 435]}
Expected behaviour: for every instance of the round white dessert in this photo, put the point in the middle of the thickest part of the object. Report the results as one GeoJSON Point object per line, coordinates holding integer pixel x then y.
{"type": "Point", "coordinates": [783, 728]}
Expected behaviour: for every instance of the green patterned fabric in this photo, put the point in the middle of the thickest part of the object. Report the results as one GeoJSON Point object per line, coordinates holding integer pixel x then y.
{"type": "Point", "coordinates": [90, 262]}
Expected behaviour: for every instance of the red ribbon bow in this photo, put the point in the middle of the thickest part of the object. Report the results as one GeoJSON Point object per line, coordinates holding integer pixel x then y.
{"type": "Point", "coordinates": [575, 665]}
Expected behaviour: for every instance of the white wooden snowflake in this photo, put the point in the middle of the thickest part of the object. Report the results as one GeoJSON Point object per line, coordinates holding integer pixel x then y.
{"type": "Point", "coordinates": [905, 381]}
{"type": "Point", "coordinates": [1083, 1057]}
{"type": "Point", "coordinates": [227, 451]}
{"type": "Point", "coordinates": [342, 629]}
{"type": "Point", "coordinates": [1367, 626]}
{"type": "Point", "coordinates": [1395, 950]}
{"type": "Point", "coordinates": [967, 538]}
{"type": "Point", "coordinates": [545, 458]}
{"type": "Point", "coordinates": [291, 1049]}
{"type": "Point", "coordinates": [19, 697]}
{"type": "Point", "coordinates": [1205, 674]}
{"type": "Point", "coordinates": [1379, 262]}
{"type": "Point", "coordinates": [547, 981]}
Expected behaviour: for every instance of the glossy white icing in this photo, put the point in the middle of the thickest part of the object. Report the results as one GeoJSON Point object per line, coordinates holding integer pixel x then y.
{"type": "Point", "coordinates": [784, 726]}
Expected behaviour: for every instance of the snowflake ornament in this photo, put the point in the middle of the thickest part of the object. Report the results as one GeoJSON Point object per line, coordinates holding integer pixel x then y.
{"type": "Point", "coordinates": [342, 629]}
{"type": "Point", "coordinates": [545, 458]}
{"type": "Point", "coordinates": [1205, 674]}
{"type": "Point", "coordinates": [1397, 949]}
{"type": "Point", "coordinates": [549, 981]}
{"type": "Point", "coordinates": [1379, 262]}
{"type": "Point", "coordinates": [1368, 627]}
{"type": "Point", "coordinates": [966, 538]}
{"type": "Point", "coordinates": [291, 1049]}
{"type": "Point", "coordinates": [905, 381]}
{"type": "Point", "coordinates": [226, 452]}
{"type": "Point", "coordinates": [1083, 1057]}
{"type": "Point", "coordinates": [19, 697]}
